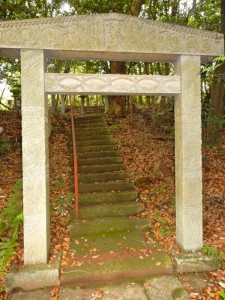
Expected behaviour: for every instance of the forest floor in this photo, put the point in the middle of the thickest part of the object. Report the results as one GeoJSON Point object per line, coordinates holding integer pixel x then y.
{"type": "Point", "coordinates": [147, 149]}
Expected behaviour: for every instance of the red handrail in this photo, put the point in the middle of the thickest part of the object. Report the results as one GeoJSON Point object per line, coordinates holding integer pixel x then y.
{"type": "Point", "coordinates": [76, 197]}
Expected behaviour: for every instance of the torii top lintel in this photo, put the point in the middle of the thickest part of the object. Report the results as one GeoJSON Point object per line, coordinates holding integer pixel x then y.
{"type": "Point", "coordinates": [108, 36]}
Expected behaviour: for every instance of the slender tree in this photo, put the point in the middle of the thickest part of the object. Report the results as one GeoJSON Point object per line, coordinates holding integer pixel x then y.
{"type": "Point", "coordinates": [217, 89]}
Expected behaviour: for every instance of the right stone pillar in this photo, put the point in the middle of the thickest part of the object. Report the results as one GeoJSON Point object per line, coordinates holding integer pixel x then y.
{"type": "Point", "coordinates": [188, 157]}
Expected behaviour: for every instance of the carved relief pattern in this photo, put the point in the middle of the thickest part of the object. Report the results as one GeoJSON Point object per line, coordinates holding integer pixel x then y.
{"type": "Point", "coordinates": [112, 84]}
{"type": "Point", "coordinates": [109, 32]}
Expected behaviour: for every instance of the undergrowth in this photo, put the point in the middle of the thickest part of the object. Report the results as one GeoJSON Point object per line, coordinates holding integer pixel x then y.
{"type": "Point", "coordinates": [210, 250]}
{"type": "Point", "coordinates": [11, 219]}
{"type": "Point", "coordinates": [4, 147]}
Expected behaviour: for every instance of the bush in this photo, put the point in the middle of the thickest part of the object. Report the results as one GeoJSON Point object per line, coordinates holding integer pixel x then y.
{"type": "Point", "coordinates": [11, 219]}
{"type": "Point", "coordinates": [5, 147]}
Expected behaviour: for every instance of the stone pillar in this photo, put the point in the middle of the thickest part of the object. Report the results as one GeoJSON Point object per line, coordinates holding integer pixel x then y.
{"type": "Point", "coordinates": [35, 158]}
{"type": "Point", "coordinates": [188, 158]}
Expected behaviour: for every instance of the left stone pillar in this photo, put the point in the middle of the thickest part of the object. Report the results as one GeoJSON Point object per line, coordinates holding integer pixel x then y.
{"type": "Point", "coordinates": [35, 158]}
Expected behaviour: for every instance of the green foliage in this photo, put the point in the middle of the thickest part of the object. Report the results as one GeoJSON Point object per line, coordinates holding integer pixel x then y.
{"type": "Point", "coordinates": [11, 215]}
{"type": "Point", "coordinates": [206, 15]}
{"type": "Point", "coordinates": [63, 203]}
{"type": "Point", "coordinates": [209, 69]}
{"type": "Point", "coordinates": [211, 125]}
{"type": "Point", "coordinates": [210, 250]}
{"type": "Point", "coordinates": [165, 230]}
{"type": "Point", "coordinates": [7, 250]}
{"type": "Point", "coordinates": [58, 184]}
{"type": "Point", "coordinates": [4, 147]}
{"type": "Point", "coordinates": [11, 219]}
{"type": "Point", "coordinates": [177, 293]}
{"type": "Point", "coordinates": [222, 294]}
{"type": "Point", "coordinates": [96, 7]}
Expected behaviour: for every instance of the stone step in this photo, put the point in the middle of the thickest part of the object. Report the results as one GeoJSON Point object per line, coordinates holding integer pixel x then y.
{"type": "Point", "coordinates": [100, 169]}
{"type": "Point", "coordinates": [90, 117]}
{"type": "Point", "coordinates": [155, 288]}
{"type": "Point", "coordinates": [114, 186]}
{"type": "Point", "coordinates": [102, 177]}
{"type": "Point", "coordinates": [99, 161]}
{"type": "Point", "coordinates": [92, 131]}
{"type": "Point", "coordinates": [94, 125]}
{"type": "Point", "coordinates": [93, 136]}
{"type": "Point", "coordinates": [95, 154]}
{"type": "Point", "coordinates": [79, 228]}
{"type": "Point", "coordinates": [117, 241]}
{"type": "Point", "coordinates": [96, 148]}
{"type": "Point", "coordinates": [117, 269]}
{"type": "Point", "coordinates": [95, 142]}
{"type": "Point", "coordinates": [110, 210]}
{"type": "Point", "coordinates": [89, 120]}
{"type": "Point", "coordinates": [98, 198]}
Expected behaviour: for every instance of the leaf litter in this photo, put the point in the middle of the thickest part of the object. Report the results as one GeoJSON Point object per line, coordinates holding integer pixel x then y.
{"type": "Point", "coordinates": [148, 155]}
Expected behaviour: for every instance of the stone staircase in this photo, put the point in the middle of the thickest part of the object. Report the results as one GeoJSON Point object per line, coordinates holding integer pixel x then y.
{"type": "Point", "coordinates": [104, 187]}
{"type": "Point", "coordinates": [108, 241]}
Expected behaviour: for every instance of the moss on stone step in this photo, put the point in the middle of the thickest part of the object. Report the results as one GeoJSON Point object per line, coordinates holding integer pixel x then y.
{"type": "Point", "coordinates": [114, 269]}
{"type": "Point", "coordinates": [102, 177]}
{"type": "Point", "coordinates": [114, 186]}
{"type": "Point", "coordinates": [108, 141]}
{"type": "Point", "coordinates": [99, 161]}
{"type": "Point", "coordinates": [96, 148]}
{"type": "Point", "coordinates": [78, 228]}
{"type": "Point", "coordinates": [93, 130]}
{"type": "Point", "coordinates": [96, 198]}
{"type": "Point", "coordinates": [90, 117]}
{"type": "Point", "coordinates": [100, 169]}
{"type": "Point", "coordinates": [90, 137]}
{"type": "Point", "coordinates": [117, 241]}
{"type": "Point", "coordinates": [90, 125]}
{"type": "Point", "coordinates": [110, 210]}
{"type": "Point", "coordinates": [89, 120]}
{"type": "Point", "coordinates": [96, 154]}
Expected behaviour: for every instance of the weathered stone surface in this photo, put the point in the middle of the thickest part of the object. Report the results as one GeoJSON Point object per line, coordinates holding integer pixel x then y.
{"type": "Point", "coordinates": [131, 291]}
{"type": "Point", "coordinates": [115, 269]}
{"type": "Point", "coordinates": [112, 84]}
{"type": "Point", "coordinates": [165, 288]}
{"type": "Point", "coordinates": [193, 262]}
{"type": "Point", "coordinates": [188, 159]}
{"type": "Point", "coordinates": [196, 281]}
{"type": "Point", "coordinates": [34, 295]}
{"type": "Point", "coordinates": [35, 158]}
{"type": "Point", "coordinates": [109, 33]}
{"type": "Point", "coordinates": [111, 210]}
{"type": "Point", "coordinates": [33, 277]}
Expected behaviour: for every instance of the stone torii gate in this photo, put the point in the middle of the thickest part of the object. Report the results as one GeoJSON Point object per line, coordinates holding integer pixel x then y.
{"type": "Point", "coordinates": [108, 37]}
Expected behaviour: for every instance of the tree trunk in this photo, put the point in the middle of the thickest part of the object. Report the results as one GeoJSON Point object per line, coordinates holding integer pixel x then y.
{"type": "Point", "coordinates": [63, 99]}
{"type": "Point", "coordinates": [54, 102]}
{"type": "Point", "coordinates": [117, 103]}
{"type": "Point", "coordinates": [217, 92]}
{"type": "Point", "coordinates": [136, 7]}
